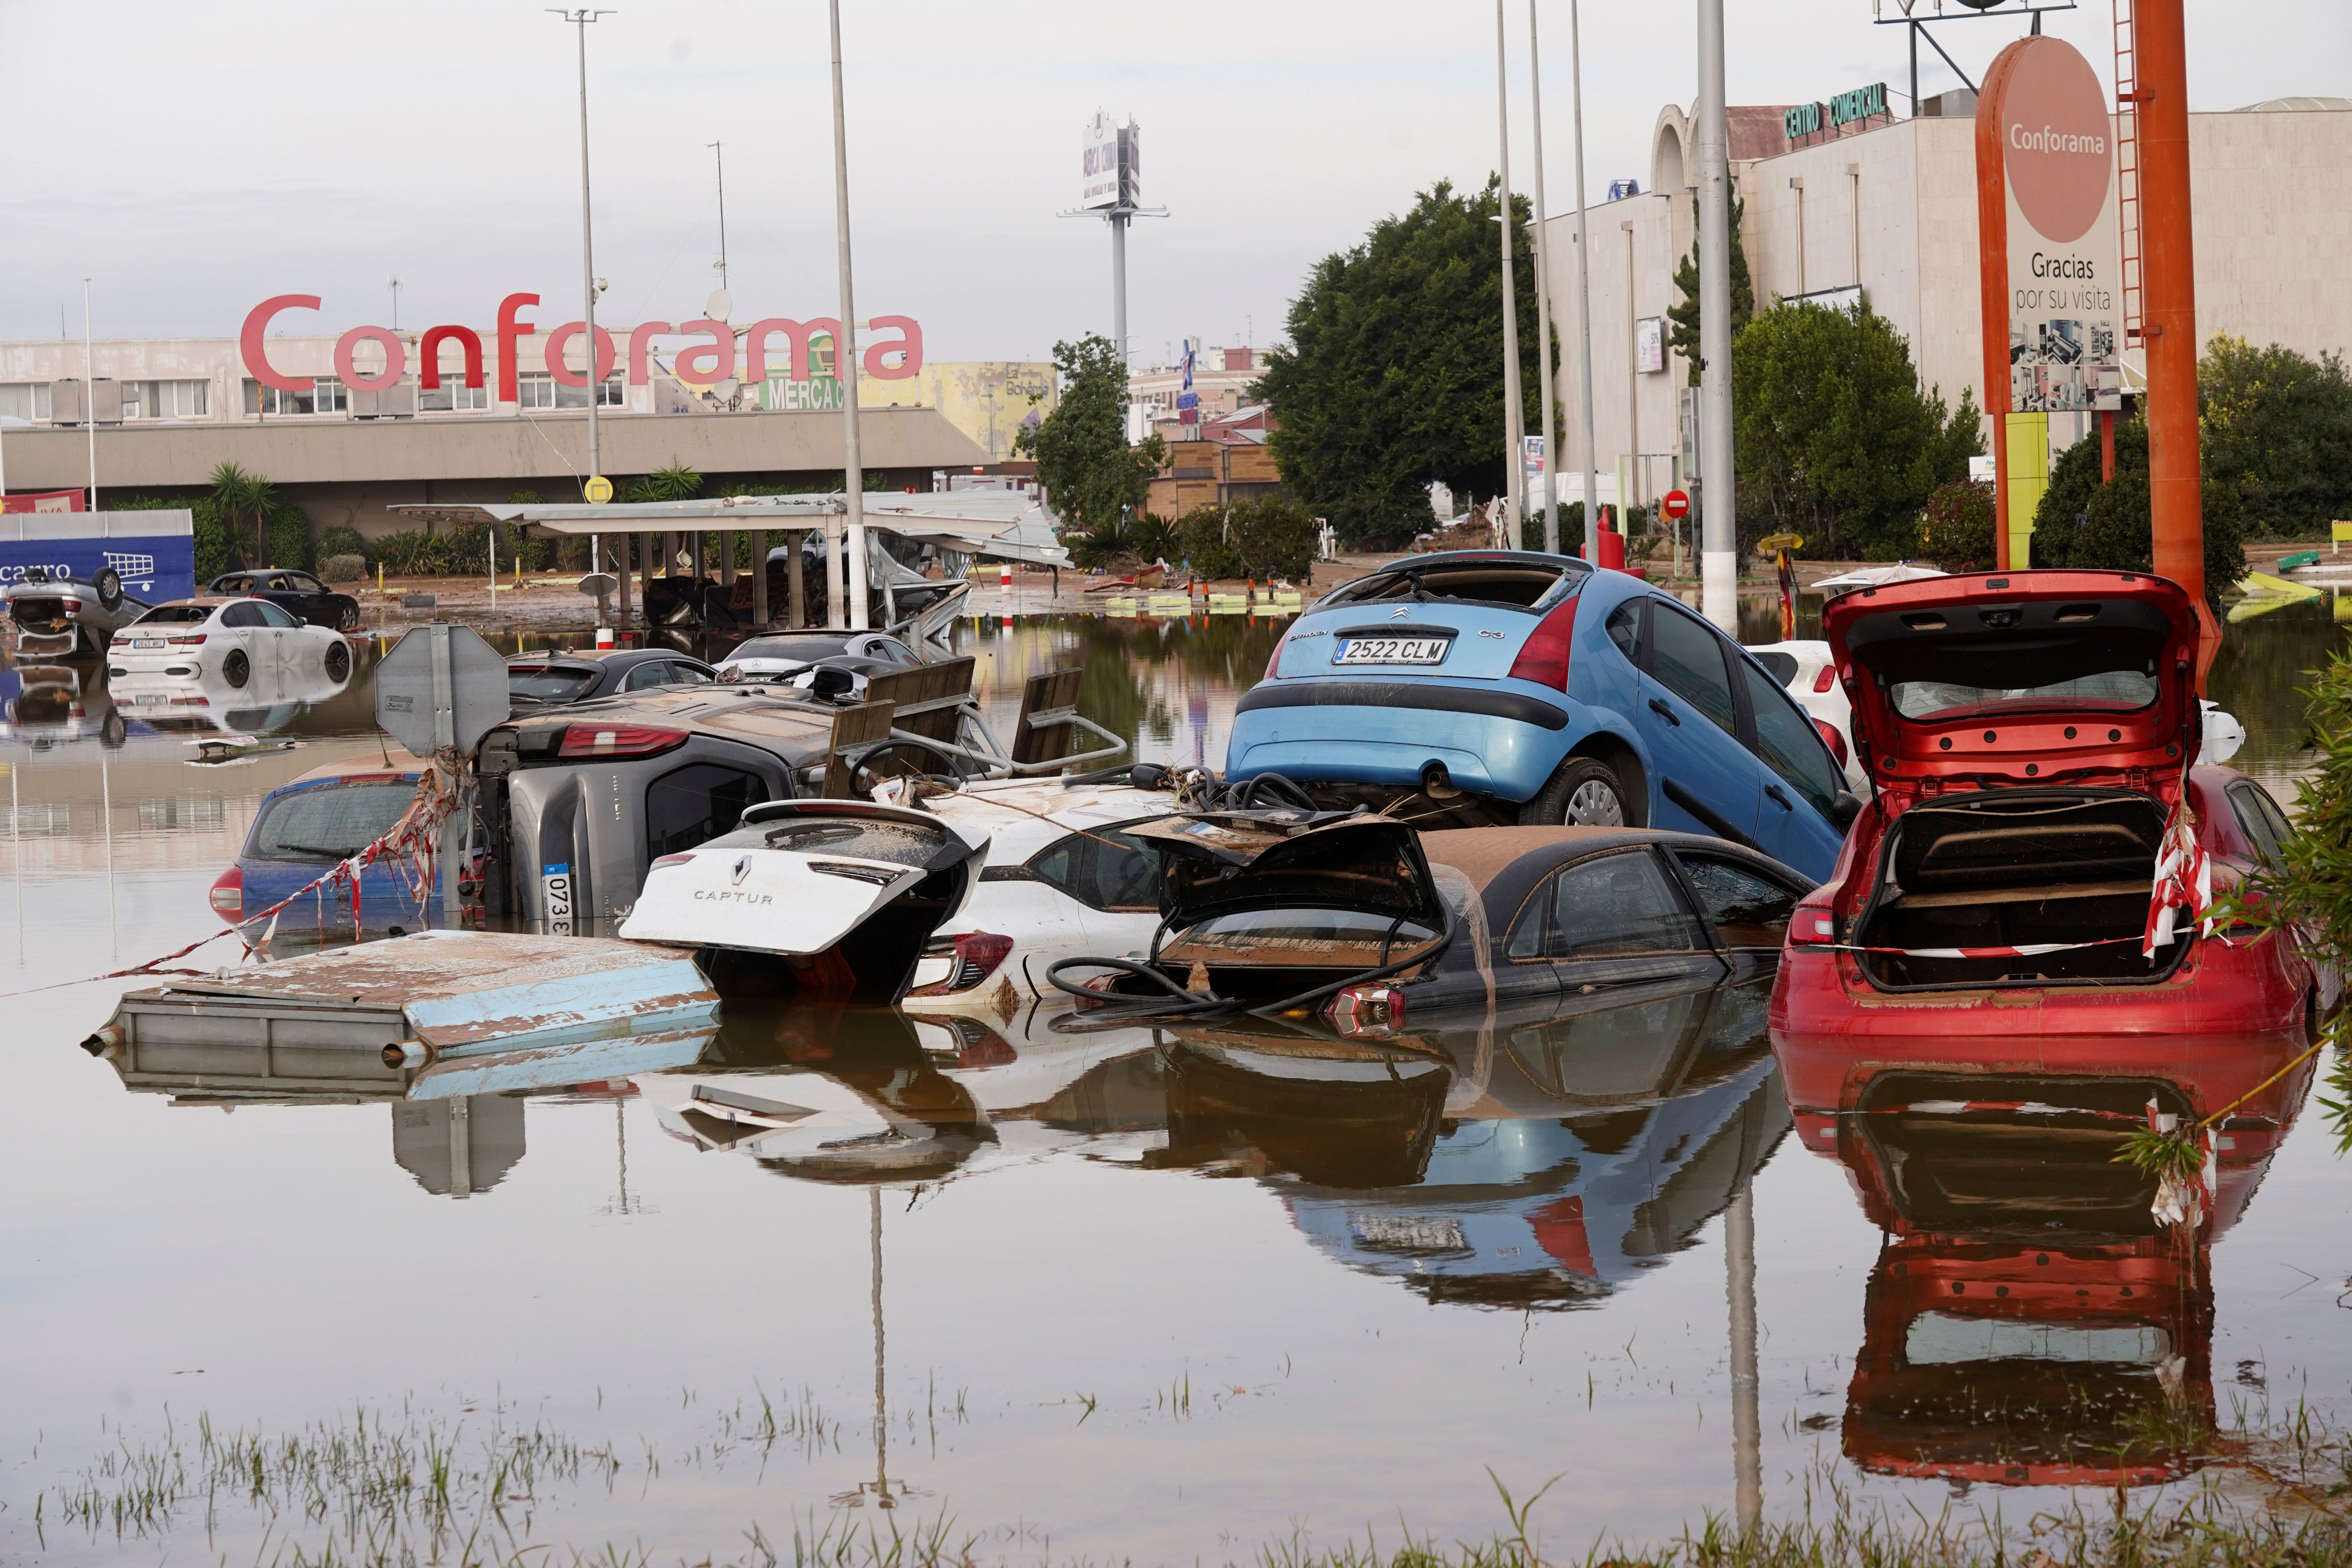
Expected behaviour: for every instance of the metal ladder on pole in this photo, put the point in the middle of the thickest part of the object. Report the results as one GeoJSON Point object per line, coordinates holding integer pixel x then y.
{"type": "Point", "coordinates": [2128, 184]}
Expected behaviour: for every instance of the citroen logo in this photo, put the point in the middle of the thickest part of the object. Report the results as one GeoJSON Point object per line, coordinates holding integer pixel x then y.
{"type": "Point", "coordinates": [1400, 612]}
{"type": "Point", "coordinates": [742, 869]}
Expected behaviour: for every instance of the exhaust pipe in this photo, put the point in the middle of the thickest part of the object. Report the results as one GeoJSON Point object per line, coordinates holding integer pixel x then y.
{"type": "Point", "coordinates": [407, 1054]}
{"type": "Point", "coordinates": [107, 1044]}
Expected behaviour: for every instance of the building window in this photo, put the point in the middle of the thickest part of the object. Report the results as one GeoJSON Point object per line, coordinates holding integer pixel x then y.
{"type": "Point", "coordinates": [453, 396]}
{"type": "Point", "coordinates": [536, 389]}
{"type": "Point", "coordinates": [24, 400]}
{"type": "Point", "coordinates": [327, 394]}
{"type": "Point", "coordinates": [166, 399]}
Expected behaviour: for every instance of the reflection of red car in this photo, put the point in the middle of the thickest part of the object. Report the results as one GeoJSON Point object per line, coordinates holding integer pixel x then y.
{"type": "Point", "coordinates": [2028, 1322]}
{"type": "Point", "coordinates": [2028, 734]}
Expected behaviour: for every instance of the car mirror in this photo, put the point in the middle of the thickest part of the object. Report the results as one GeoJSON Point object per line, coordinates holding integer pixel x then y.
{"type": "Point", "coordinates": [1844, 809]}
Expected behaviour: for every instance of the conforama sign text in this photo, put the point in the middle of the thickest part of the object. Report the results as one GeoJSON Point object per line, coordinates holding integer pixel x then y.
{"type": "Point", "coordinates": [886, 358]}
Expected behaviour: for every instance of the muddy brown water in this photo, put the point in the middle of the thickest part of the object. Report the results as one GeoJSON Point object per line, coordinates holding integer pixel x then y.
{"type": "Point", "coordinates": [1135, 1294]}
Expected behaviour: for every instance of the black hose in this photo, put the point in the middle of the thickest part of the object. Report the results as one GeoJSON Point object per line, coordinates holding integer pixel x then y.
{"type": "Point", "coordinates": [1244, 796]}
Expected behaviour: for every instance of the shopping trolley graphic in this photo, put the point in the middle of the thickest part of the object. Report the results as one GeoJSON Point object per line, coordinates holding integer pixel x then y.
{"type": "Point", "coordinates": [129, 566]}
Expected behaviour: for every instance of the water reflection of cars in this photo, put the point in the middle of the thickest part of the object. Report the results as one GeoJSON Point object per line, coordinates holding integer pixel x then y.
{"type": "Point", "coordinates": [2030, 736]}
{"type": "Point", "coordinates": [1506, 686]}
{"type": "Point", "coordinates": [1269, 904]}
{"type": "Point", "coordinates": [300, 594]}
{"type": "Point", "coordinates": [230, 639]}
{"type": "Point", "coordinates": [1542, 1156]}
{"type": "Point", "coordinates": [54, 703]}
{"type": "Point", "coordinates": [2029, 1321]}
{"type": "Point", "coordinates": [268, 701]}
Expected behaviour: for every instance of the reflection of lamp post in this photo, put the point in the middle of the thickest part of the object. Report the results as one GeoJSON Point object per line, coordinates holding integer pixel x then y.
{"type": "Point", "coordinates": [1747, 1433]}
{"type": "Point", "coordinates": [106, 821]}
{"type": "Point", "coordinates": [880, 1486]}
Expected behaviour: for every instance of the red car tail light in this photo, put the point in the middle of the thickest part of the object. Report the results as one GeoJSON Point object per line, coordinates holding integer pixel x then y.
{"type": "Point", "coordinates": [229, 892]}
{"type": "Point", "coordinates": [185, 642]}
{"type": "Point", "coordinates": [618, 741]}
{"type": "Point", "coordinates": [1280, 643]}
{"type": "Point", "coordinates": [1826, 679]}
{"type": "Point", "coordinates": [1372, 1012]}
{"type": "Point", "coordinates": [1543, 658]}
{"type": "Point", "coordinates": [1833, 737]}
{"type": "Point", "coordinates": [972, 959]}
{"type": "Point", "coordinates": [662, 861]}
{"type": "Point", "coordinates": [73, 606]}
{"type": "Point", "coordinates": [1814, 925]}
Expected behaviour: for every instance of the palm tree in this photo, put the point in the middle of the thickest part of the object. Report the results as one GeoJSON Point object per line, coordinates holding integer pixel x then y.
{"type": "Point", "coordinates": [237, 494]}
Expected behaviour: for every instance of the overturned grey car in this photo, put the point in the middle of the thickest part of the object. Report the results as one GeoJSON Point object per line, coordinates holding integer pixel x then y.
{"type": "Point", "coordinates": [67, 615]}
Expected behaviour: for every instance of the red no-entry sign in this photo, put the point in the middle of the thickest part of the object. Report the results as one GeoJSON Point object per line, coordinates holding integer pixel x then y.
{"type": "Point", "coordinates": [1676, 504]}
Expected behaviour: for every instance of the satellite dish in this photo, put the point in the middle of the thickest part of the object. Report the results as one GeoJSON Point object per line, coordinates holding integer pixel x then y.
{"type": "Point", "coordinates": [728, 388]}
{"type": "Point", "coordinates": [720, 304]}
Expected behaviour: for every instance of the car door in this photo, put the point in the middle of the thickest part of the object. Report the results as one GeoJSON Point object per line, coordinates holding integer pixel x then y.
{"type": "Point", "coordinates": [1108, 888]}
{"type": "Point", "coordinates": [284, 631]}
{"type": "Point", "coordinates": [245, 629]}
{"type": "Point", "coordinates": [1617, 918]}
{"type": "Point", "coordinates": [1747, 911]}
{"type": "Point", "coordinates": [1707, 782]}
{"type": "Point", "coordinates": [1798, 823]}
{"type": "Point", "coordinates": [307, 598]}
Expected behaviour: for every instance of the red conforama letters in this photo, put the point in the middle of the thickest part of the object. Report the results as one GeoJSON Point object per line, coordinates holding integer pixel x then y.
{"type": "Point", "coordinates": [700, 364]}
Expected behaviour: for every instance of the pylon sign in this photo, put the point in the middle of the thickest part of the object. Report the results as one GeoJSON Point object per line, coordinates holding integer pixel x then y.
{"type": "Point", "coordinates": [2050, 245]}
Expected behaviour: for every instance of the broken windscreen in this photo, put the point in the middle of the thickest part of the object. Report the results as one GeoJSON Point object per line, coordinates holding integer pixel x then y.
{"type": "Point", "coordinates": [898, 843]}
{"type": "Point", "coordinates": [1502, 580]}
{"type": "Point", "coordinates": [332, 823]}
{"type": "Point", "coordinates": [2107, 691]}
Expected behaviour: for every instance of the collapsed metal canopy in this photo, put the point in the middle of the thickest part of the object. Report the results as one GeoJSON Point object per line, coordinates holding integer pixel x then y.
{"type": "Point", "coordinates": [987, 521]}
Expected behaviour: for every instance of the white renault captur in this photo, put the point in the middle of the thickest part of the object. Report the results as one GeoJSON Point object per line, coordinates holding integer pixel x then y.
{"type": "Point", "coordinates": [228, 638]}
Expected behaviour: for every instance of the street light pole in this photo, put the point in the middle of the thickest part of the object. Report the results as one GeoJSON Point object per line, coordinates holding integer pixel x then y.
{"type": "Point", "coordinates": [580, 19]}
{"type": "Point", "coordinates": [1584, 295]}
{"type": "Point", "coordinates": [719, 152]}
{"type": "Point", "coordinates": [845, 351]}
{"type": "Point", "coordinates": [90, 394]}
{"type": "Point", "coordinates": [1548, 420]}
{"type": "Point", "coordinates": [1514, 416]}
{"type": "Point", "coordinates": [1719, 557]}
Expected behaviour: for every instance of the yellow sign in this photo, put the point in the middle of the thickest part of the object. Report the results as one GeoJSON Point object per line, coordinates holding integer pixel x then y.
{"type": "Point", "coordinates": [1780, 544]}
{"type": "Point", "coordinates": [599, 489]}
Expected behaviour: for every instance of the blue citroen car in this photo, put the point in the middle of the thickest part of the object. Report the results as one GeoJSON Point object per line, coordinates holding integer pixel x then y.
{"type": "Point", "coordinates": [1511, 686]}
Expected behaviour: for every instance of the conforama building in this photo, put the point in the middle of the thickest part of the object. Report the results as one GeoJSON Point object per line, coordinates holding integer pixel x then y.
{"type": "Point", "coordinates": [347, 426]}
{"type": "Point", "coordinates": [1885, 208]}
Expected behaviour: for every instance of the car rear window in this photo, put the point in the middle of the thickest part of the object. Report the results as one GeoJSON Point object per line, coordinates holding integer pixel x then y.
{"type": "Point", "coordinates": [2107, 691]}
{"type": "Point", "coordinates": [790, 647]}
{"type": "Point", "coordinates": [1513, 584]}
{"type": "Point", "coordinates": [174, 615]}
{"type": "Point", "coordinates": [1305, 936]}
{"type": "Point", "coordinates": [330, 822]}
{"type": "Point", "coordinates": [547, 683]}
{"type": "Point", "coordinates": [896, 843]}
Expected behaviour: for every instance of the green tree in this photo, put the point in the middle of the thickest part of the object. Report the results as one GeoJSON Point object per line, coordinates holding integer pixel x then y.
{"type": "Point", "coordinates": [678, 482]}
{"type": "Point", "coordinates": [2277, 430]}
{"type": "Point", "coordinates": [1835, 438]}
{"type": "Point", "coordinates": [1393, 375]}
{"type": "Point", "coordinates": [2083, 520]}
{"type": "Point", "coordinates": [243, 498]}
{"type": "Point", "coordinates": [1683, 314]}
{"type": "Point", "coordinates": [1265, 536]}
{"type": "Point", "coordinates": [1092, 479]}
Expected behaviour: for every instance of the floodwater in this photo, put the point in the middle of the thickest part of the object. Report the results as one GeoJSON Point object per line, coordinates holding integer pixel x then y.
{"type": "Point", "coordinates": [1140, 1294]}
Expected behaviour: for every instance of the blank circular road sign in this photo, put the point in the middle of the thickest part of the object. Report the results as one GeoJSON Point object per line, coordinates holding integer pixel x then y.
{"type": "Point", "coordinates": [1676, 504]}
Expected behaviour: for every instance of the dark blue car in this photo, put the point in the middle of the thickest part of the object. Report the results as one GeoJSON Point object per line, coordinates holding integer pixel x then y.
{"type": "Point", "coordinates": [302, 829]}
{"type": "Point", "coordinates": [1517, 687]}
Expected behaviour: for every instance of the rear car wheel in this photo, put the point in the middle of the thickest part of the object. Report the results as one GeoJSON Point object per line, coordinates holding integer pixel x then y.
{"type": "Point", "coordinates": [347, 619]}
{"type": "Point", "coordinates": [109, 584]}
{"type": "Point", "coordinates": [338, 662]}
{"type": "Point", "coordinates": [1583, 792]}
{"type": "Point", "coordinates": [236, 669]}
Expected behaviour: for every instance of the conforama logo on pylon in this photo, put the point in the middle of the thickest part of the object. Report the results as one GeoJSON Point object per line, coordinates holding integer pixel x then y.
{"type": "Point", "coordinates": [703, 364]}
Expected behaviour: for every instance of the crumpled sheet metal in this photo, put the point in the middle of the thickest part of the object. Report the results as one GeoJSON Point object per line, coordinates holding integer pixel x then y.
{"type": "Point", "coordinates": [460, 989]}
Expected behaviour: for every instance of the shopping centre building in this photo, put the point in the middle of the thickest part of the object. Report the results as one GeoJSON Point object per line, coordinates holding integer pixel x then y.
{"type": "Point", "coordinates": [1887, 208]}
{"type": "Point", "coordinates": [168, 412]}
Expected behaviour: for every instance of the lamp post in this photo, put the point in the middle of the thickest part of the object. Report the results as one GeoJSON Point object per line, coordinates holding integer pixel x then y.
{"type": "Point", "coordinates": [1718, 557]}
{"type": "Point", "coordinates": [1547, 420]}
{"type": "Point", "coordinates": [844, 355]}
{"type": "Point", "coordinates": [90, 394]}
{"type": "Point", "coordinates": [1584, 295]}
{"type": "Point", "coordinates": [1514, 416]}
{"type": "Point", "coordinates": [580, 20]}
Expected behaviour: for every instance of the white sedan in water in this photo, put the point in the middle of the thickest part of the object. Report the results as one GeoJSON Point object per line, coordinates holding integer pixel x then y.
{"type": "Point", "coordinates": [230, 639]}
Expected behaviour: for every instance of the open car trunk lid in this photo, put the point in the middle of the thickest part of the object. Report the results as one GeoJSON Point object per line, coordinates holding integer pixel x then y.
{"type": "Point", "coordinates": [799, 876]}
{"type": "Point", "coordinates": [2020, 677]}
{"type": "Point", "coordinates": [1225, 863]}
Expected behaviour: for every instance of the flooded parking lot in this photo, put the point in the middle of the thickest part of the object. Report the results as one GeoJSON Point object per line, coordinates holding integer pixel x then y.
{"type": "Point", "coordinates": [1033, 1289]}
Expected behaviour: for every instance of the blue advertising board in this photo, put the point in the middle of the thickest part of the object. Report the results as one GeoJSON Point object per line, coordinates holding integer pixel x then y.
{"type": "Point", "coordinates": [154, 552]}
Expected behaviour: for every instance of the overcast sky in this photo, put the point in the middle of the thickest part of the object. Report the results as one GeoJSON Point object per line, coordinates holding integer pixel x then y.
{"type": "Point", "coordinates": [192, 158]}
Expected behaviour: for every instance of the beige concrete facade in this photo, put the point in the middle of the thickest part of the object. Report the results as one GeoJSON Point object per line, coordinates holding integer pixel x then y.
{"type": "Point", "coordinates": [1893, 208]}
